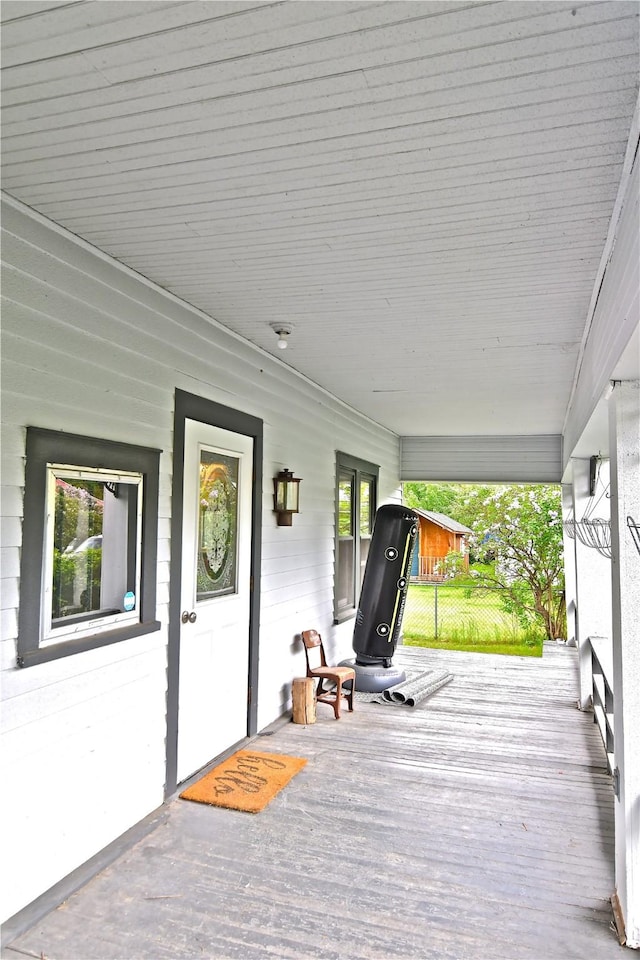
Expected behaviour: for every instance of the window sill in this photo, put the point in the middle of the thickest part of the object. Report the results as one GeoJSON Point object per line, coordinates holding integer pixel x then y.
{"type": "Point", "coordinates": [343, 617]}
{"type": "Point", "coordinates": [81, 644]}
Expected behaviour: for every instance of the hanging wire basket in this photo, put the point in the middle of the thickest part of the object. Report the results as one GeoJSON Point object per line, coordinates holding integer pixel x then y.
{"type": "Point", "coordinates": [595, 534]}
{"type": "Point", "coordinates": [634, 530]}
{"type": "Point", "coordinates": [569, 526]}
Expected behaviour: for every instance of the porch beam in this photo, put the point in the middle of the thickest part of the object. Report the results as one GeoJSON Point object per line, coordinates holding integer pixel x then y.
{"type": "Point", "coordinates": [476, 459]}
{"type": "Point", "coordinates": [614, 308]}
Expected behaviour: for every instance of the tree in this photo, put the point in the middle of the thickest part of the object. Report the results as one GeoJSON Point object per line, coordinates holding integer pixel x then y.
{"type": "Point", "coordinates": [444, 498]}
{"type": "Point", "coordinates": [522, 526]}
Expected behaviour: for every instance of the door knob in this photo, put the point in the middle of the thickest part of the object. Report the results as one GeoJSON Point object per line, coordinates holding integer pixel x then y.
{"type": "Point", "coordinates": [189, 617]}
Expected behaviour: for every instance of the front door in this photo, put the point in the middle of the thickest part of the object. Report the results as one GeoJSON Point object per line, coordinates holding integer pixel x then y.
{"type": "Point", "coordinates": [216, 566]}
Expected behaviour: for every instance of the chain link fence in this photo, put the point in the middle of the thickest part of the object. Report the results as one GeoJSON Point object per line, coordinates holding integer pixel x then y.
{"type": "Point", "coordinates": [462, 614]}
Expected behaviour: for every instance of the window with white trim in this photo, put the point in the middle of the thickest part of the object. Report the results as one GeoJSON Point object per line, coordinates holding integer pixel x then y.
{"type": "Point", "coordinates": [356, 493]}
{"type": "Point", "coordinates": [89, 544]}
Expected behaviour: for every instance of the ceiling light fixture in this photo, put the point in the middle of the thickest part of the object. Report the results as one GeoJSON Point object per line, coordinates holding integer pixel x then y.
{"type": "Point", "coordinates": [283, 330]}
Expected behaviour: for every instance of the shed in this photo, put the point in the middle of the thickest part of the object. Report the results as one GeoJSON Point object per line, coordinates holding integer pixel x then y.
{"type": "Point", "coordinates": [438, 536]}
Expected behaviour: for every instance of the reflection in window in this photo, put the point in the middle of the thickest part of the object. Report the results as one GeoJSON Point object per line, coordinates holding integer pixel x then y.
{"type": "Point", "coordinates": [366, 517]}
{"type": "Point", "coordinates": [218, 525]}
{"type": "Point", "coordinates": [93, 552]}
{"type": "Point", "coordinates": [345, 501]}
{"type": "Point", "coordinates": [367, 493]}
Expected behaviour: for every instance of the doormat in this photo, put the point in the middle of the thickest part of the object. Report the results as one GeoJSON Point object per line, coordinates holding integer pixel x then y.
{"type": "Point", "coordinates": [411, 692]}
{"type": "Point", "coordinates": [246, 781]}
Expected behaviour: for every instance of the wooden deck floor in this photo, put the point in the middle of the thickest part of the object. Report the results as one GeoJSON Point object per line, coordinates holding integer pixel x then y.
{"type": "Point", "coordinates": [479, 825]}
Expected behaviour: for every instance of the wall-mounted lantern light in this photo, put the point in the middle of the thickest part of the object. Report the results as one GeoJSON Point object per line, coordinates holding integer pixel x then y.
{"type": "Point", "coordinates": [286, 496]}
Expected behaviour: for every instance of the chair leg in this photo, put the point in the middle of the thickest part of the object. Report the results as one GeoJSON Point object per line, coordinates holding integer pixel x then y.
{"type": "Point", "coordinates": [336, 704]}
{"type": "Point", "coordinates": [350, 695]}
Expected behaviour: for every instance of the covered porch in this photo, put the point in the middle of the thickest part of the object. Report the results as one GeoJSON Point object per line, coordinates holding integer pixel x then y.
{"type": "Point", "coordinates": [434, 208]}
{"type": "Point", "coordinates": [477, 825]}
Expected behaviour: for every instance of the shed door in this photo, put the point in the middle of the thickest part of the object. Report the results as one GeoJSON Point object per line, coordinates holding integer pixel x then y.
{"type": "Point", "coordinates": [216, 558]}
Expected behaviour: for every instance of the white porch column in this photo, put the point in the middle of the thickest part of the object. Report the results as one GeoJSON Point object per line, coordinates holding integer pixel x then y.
{"type": "Point", "coordinates": [593, 585]}
{"type": "Point", "coordinates": [624, 442]}
{"type": "Point", "coordinates": [569, 565]}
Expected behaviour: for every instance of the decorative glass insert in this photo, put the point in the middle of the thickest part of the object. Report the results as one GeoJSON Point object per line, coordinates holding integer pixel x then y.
{"type": "Point", "coordinates": [217, 548]}
{"type": "Point", "coordinates": [92, 551]}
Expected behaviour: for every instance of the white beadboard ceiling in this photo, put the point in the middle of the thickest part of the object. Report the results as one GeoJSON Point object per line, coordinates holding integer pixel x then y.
{"type": "Point", "coordinates": [421, 189]}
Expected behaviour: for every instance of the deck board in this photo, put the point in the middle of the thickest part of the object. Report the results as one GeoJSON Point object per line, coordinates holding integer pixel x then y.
{"type": "Point", "coordinates": [479, 825]}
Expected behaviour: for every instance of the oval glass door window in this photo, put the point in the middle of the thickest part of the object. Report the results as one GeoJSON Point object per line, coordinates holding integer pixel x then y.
{"type": "Point", "coordinates": [218, 525]}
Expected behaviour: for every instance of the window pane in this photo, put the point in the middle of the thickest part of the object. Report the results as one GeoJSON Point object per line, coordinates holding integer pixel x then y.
{"type": "Point", "coordinates": [345, 507]}
{"type": "Point", "coordinates": [344, 592]}
{"type": "Point", "coordinates": [365, 507]}
{"type": "Point", "coordinates": [94, 548]}
{"type": "Point", "coordinates": [366, 523]}
{"type": "Point", "coordinates": [364, 553]}
{"type": "Point", "coordinates": [218, 526]}
{"type": "Point", "coordinates": [77, 547]}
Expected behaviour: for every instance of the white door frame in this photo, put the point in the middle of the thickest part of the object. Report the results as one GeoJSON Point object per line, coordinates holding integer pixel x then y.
{"type": "Point", "coordinates": [191, 407]}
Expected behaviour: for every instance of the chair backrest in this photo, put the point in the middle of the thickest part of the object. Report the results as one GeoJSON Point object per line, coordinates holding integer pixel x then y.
{"type": "Point", "coordinates": [313, 649]}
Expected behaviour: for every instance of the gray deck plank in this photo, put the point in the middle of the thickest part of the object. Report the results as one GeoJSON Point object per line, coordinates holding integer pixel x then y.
{"type": "Point", "coordinates": [477, 825]}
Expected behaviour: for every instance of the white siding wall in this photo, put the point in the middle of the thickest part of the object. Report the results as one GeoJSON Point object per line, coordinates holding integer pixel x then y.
{"type": "Point", "coordinates": [625, 502]}
{"type": "Point", "coordinates": [592, 577]}
{"type": "Point", "coordinates": [90, 348]}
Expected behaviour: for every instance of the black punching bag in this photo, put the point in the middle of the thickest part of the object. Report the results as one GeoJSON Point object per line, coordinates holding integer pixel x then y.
{"type": "Point", "coordinates": [384, 587]}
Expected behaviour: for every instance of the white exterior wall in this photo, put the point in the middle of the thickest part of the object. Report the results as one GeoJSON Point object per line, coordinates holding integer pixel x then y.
{"type": "Point", "coordinates": [90, 348]}
{"type": "Point", "coordinates": [624, 419]}
{"type": "Point", "coordinates": [593, 581]}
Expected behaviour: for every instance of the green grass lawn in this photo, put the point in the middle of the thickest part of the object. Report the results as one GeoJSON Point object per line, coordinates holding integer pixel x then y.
{"type": "Point", "coordinates": [468, 618]}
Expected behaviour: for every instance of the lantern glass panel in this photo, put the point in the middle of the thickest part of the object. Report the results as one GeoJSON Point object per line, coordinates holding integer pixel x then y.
{"type": "Point", "coordinates": [292, 496]}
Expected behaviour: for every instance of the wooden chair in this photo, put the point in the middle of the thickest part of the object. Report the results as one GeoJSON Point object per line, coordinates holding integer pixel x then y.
{"type": "Point", "coordinates": [313, 649]}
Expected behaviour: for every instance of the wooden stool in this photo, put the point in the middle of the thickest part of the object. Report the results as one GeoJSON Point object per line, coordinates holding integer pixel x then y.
{"type": "Point", "coordinates": [304, 700]}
